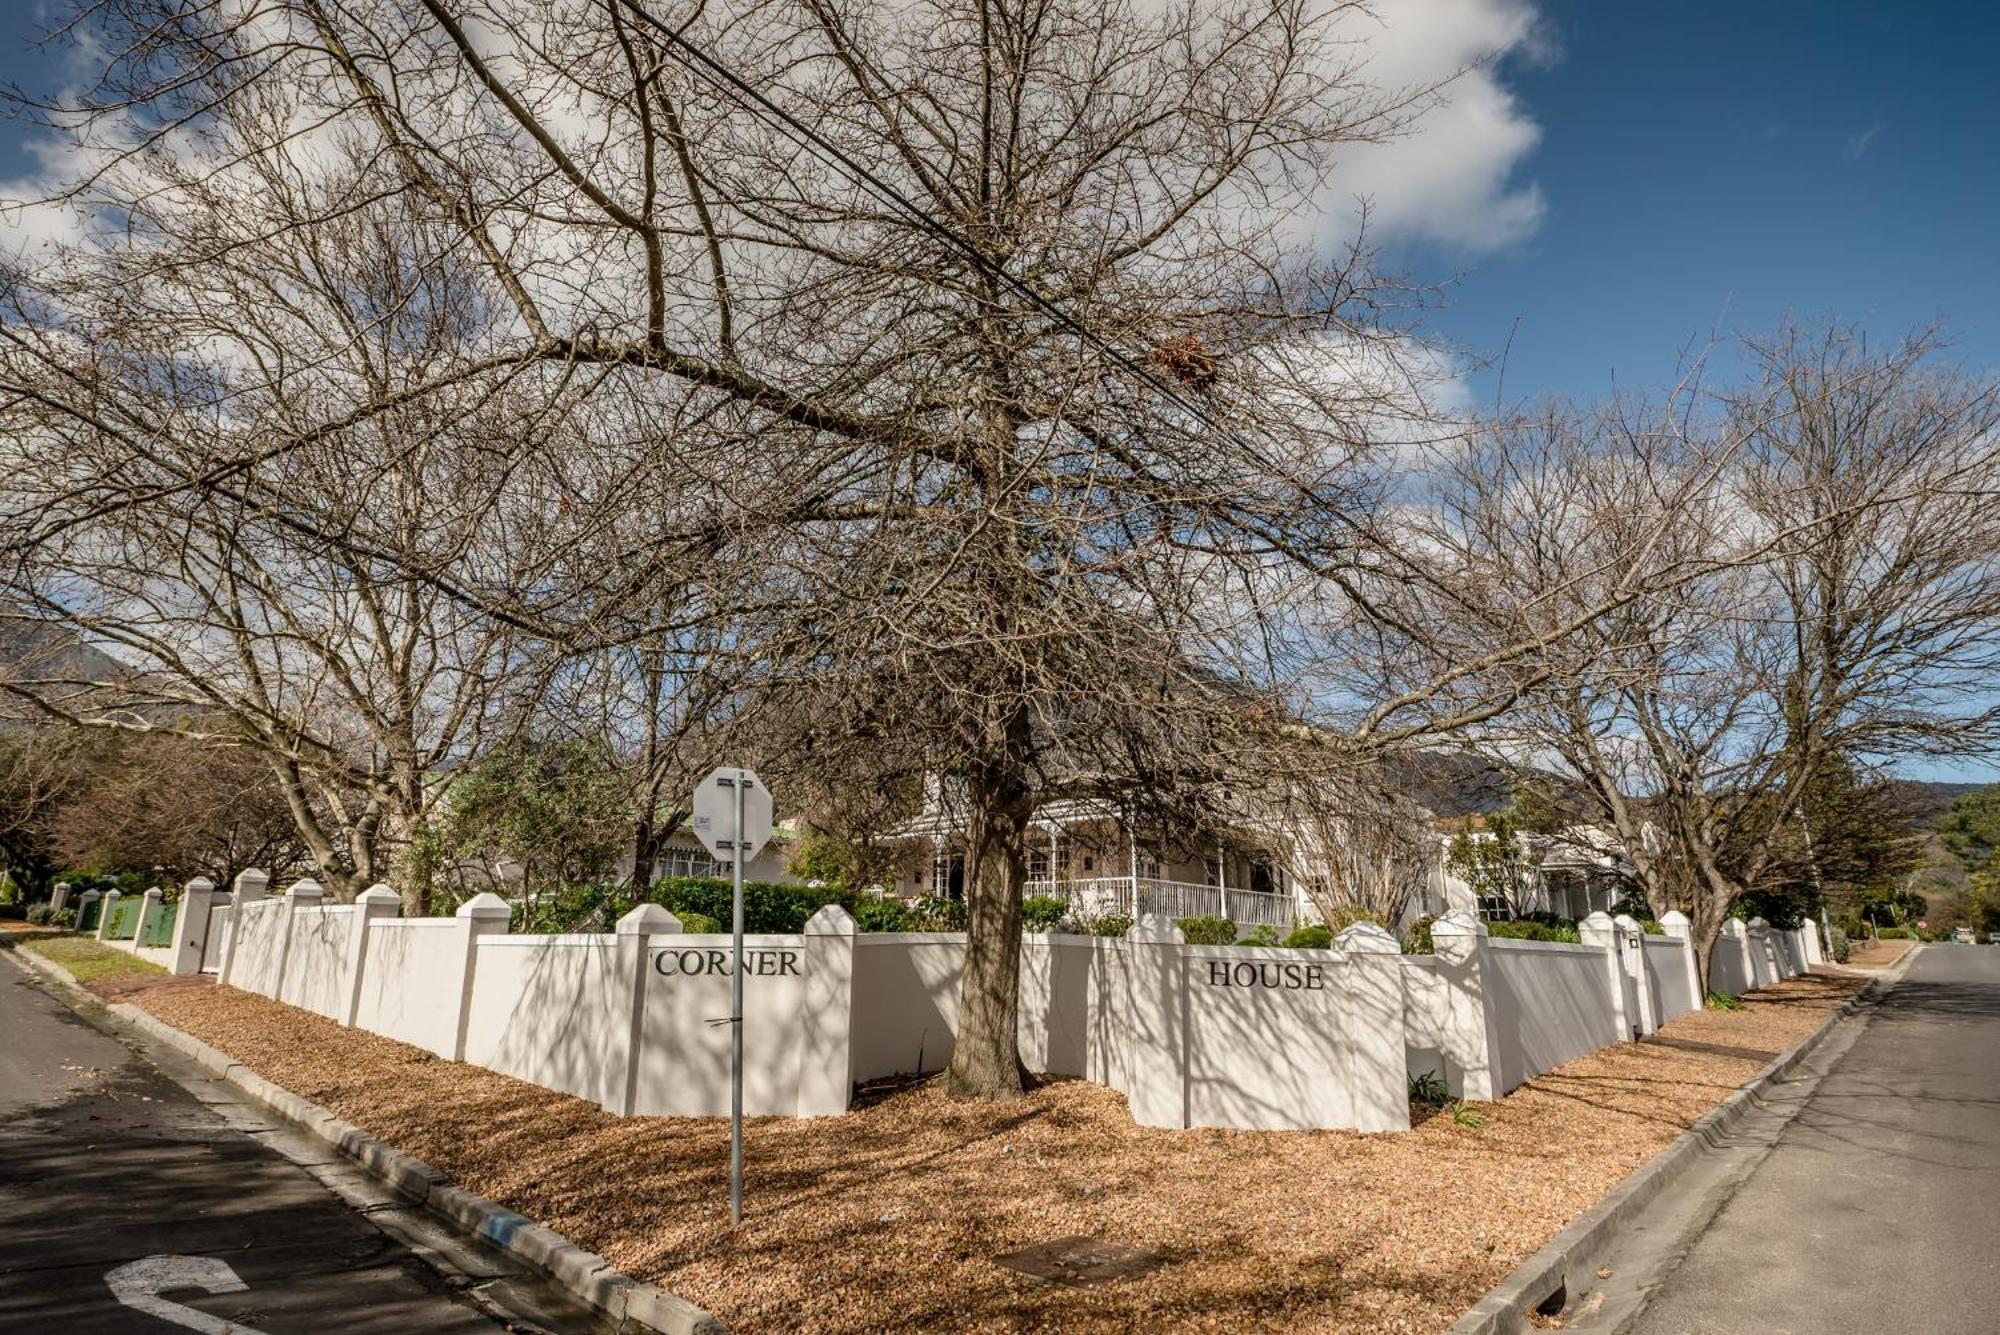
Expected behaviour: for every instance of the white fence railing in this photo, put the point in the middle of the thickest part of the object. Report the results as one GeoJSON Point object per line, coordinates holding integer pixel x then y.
{"type": "Point", "coordinates": [1134, 896]}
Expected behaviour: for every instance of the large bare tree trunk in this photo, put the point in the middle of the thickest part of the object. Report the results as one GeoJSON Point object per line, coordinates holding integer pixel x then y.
{"type": "Point", "coordinates": [986, 1062]}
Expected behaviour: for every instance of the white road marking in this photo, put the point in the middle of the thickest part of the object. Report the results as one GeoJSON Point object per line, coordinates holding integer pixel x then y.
{"type": "Point", "coordinates": [140, 1283]}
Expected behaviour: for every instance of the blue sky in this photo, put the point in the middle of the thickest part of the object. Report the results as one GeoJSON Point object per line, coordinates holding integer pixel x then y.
{"type": "Point", "coordinates": [1628, 180]}
{"type": "Point", "coordinates": [1710, 167]}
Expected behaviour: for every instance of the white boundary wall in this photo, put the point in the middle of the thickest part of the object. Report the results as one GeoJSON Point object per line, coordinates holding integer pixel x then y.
{"type": "Point", "coordinates": [1224, 1036]}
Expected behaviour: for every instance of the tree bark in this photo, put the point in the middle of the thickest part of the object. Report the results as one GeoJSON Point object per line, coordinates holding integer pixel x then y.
{"type": "Point", "coordinates": [986, 1061]}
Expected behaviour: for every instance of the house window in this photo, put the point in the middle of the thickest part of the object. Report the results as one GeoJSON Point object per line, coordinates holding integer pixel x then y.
{"type": "Point", "coordinates": [948, 876]}
{"type": "Point", "coordinates": [1495, 908]}
{"type": "Point", "coordinates": [690, 862]}
{"type": "Point", "coordinates": [1038, 864]}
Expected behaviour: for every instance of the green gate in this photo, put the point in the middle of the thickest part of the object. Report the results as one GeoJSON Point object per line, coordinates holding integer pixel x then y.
{"type": "Point", "coordinates": [160, 929]}
{"type": "Point", "coordinates": [125, 918]}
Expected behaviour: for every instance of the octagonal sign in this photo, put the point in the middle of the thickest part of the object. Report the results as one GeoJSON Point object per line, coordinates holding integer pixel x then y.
{"type": "Point", "coordinates": [714, 819]}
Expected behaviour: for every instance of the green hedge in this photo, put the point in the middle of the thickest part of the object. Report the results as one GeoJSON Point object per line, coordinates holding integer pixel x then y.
{"type": "Point", "coordinates": [1312, 936]}
{"type": "Point", "coordinates": [1206, 930]}
{"type": "Point", "coordinates": [1043, 913]}
{"type": "Point", "coordinates": [1527, 930]}
{"type": "Point", "coordinates": [767, 906]}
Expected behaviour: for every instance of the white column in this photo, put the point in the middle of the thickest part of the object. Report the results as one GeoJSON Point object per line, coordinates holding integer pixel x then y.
{"type": "Point", "coordinates": [1676, 924]}
{"type": "Point", "coordinates": [191, 927]}
{"type": "Point", "coordinates": [826, 1066]}
{"type": "Point", "coordinates": [485, 914]}
{"type": "Point", "coordinates": [1763, 955]}
{"type": "Point", "coordinates": [1157, 1076]}
{"type": "Point", "coordinates": [299, 896]}
{"type": "Point", "coordinates": [59, 897]}
{"type": "Point", "coordinates": [1378, 1070]}
{"type": "Point", "coordinates": [1632, 950]}
{"type": "Point", "coordinates": [248, 888]}
{"type": "Point", "coordinates": [83, 903]}
{"type": "Point", "coordinates": [1469, 1036]}
{"type": "Point", "coordinates": [151, 905]}
{"type": "Point", "coordinates": [377, 901]}
{"type": "Point", "coordinates": [1598, 930]}
{"type": "Point", "coordinates": [1132, 865]}
{"type": "Point", "coordinates": [104, 908]}
{"type": "Point", "coordinates": [635, 961]}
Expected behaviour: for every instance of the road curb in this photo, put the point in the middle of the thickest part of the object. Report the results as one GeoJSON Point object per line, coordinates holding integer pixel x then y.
{"type": "Point", "coordinates": [1565, 1269]}
{"type": "Point", "coordinates": [635, 1307]}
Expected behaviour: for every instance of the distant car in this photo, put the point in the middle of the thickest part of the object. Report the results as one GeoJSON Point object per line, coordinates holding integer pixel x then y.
{"type": "Point", "coordinates": [1966, 936]}
{"type": "Point", "coordinates": [1993, 938]}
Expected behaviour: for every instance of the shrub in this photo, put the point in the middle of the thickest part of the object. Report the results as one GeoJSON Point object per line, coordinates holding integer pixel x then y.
{"type": "Point", "coordinates": [571, 908]}
{"type": "Point", "coordinates": [1897, 934]}
{"type": "Point", "coordinates": [1344, 916]}
{"type": "Point", "coordinates": [767, 906]}
{"type": "Point", "coordinates": [1417, 941]}
{"type": "Point", "coordinates": [873, 913]}
{"type": "Point", "coordinates": [1427, 1089]}
{"type": "Point", "coordinates": [1532, 930]}
{"type": "Point", "coordinates": [1205, 930]}
{"type": "Point", "coordinates": [1107, 924]}
{"type": "Point", "coordinates": [1263, 934]}
{"type": "Point", "coordinates": [932, 914]}
{"type": "Point", "coordinates": [1651, 927]}
{"type": "Point", "coordinates": [1042, 913]}
{"type": "Point", "coordinates": [39, 914]}
{"type": "Point", "coordinates": [700, 924]}
{"type": "Point", "coordinates": [1721, 1001]}
{"type": "Point", "coordinates": [1310, 936]}
{"type": "Point", "coordinates": [63, 918]}
{"type": "Point", "coordinates": [1467, 1116]}
{"type": "Point", "coordinates": [1840, 946]}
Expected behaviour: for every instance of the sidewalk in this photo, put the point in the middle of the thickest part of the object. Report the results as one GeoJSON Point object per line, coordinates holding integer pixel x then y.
{"type": "Point", "coordinates": [1877, 1207]}
{"type": "Point", "coordinates": [897, 1214]}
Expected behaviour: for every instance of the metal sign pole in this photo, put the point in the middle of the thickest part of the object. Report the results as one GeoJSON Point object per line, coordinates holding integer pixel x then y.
{"type": "Point", "coordinates": [736, 1014]}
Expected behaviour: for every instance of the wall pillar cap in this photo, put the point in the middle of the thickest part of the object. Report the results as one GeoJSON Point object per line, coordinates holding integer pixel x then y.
{"type": "Point", "coordinates": [1734, 927]}
{"type": "Point", "coordinates": [485, 906]}
{"type": "Point", "coordinates": [1459, 922]}
{"type": "Point", "coordinates": [306, 889]}
{"type": "Point", "coordinates": [1759, 922]}
{"type": "Point", "coordinates": [90, 894]}
{"type": "Point", "coordinates": [199, 884]}
{"type": "Point", "coordinates": [645, 920]}
{"type": "Point", "coordinates": [252, 876]}
{"type": "Point", "coordinates": [154, 892]}
{"type": "Point", "coordinates": [379, 893]}
{"type": "Point", "coordinates": [1600, 919]}
{"type": "Point", "coordinates": [831, 920]}
{"type": "Point", "coordinates": [1673, 918]}
{"type": "Point", "coordinates": [1156, 929]}
{"type": "Point", "coordinates": [1368, 938]}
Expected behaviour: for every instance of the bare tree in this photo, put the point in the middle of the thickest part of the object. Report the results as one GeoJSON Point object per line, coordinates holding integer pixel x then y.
{"type": "Point", "coordinates": [967, 370]}
{"type": "Point", "coordinates": [1826, 589]}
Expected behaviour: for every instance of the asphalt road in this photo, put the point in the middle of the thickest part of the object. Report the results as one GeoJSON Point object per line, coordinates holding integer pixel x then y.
{"type": "Point", "coordinates": [116, 1180]}
{"type": "Point", "coordinates": [1878, 1207]}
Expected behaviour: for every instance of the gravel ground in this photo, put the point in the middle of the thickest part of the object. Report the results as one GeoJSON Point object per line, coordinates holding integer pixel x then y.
{"type": "Point", "coordinates": [890, 1216]}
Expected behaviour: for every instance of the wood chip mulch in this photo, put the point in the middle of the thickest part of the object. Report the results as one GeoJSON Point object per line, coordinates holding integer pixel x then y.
{"type": "Point", "coordinates": [891, 1217]}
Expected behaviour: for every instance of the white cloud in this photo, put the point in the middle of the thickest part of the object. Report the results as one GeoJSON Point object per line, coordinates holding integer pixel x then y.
{"type": "Point", "coordinates": [1862, 140]}
{"type": "Point", "coordinates": [1454, 177]}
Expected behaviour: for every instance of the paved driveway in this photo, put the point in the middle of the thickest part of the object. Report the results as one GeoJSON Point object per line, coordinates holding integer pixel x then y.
{"type": "Point", "coordinates": [1878, 1209]}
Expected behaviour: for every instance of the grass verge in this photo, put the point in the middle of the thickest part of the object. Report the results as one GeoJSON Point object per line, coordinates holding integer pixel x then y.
{"type": "Point", "coordinates": [90, 960]}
